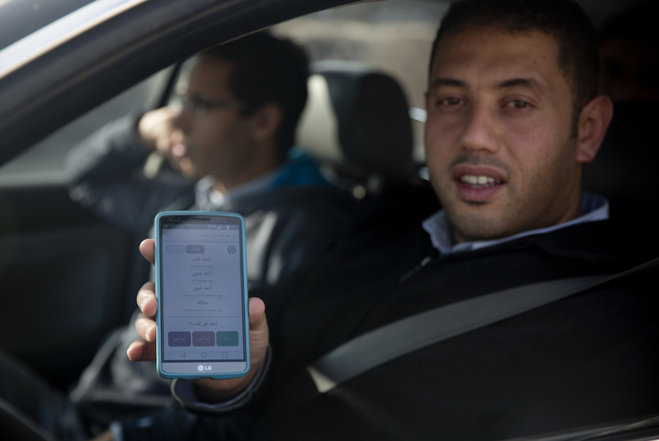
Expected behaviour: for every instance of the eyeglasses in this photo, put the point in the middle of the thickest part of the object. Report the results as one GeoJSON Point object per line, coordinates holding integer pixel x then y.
{"type": "Point", "coordinates": [200, 106]}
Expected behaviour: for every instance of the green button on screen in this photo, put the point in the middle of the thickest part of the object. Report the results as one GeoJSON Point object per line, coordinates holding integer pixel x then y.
{"type": "Point", "coordinates": [227, 338]}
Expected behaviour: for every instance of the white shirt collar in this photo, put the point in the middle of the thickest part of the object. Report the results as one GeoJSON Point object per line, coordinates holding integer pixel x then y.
{"type": "Point", "coordinates": [207, 198]}
{"type": "Point", "coordinates": [594, 207]}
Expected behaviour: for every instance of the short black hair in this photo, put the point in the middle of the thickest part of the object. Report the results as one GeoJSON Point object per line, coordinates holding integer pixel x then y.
{"type": "Point", "coordinates": [565, 20]}
{"type": "Point", "coordinates": [268, 69]}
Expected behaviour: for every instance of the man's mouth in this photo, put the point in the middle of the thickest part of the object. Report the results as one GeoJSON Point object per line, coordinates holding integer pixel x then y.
{"type": "Point", "coordinates": [478, 184]}
{"type": "Point", "coordinates": [479, 181]}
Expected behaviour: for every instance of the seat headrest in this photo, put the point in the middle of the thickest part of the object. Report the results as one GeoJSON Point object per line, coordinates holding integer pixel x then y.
{"type": "Point", "coordinates": [628, 161]}
{"type": "Point", "coordinates": [357, 118]}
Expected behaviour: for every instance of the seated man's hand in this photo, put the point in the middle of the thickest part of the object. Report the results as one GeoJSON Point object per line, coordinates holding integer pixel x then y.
{"type": "Point", "coordinates": [156, 128]}
{"type": "Point", "coordinates": [207, 389]}
{"type": "Point", "coordinates": [159, 131]}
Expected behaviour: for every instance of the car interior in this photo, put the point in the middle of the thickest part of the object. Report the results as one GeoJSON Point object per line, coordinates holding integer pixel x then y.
{"type": "Point", "coordinates": [366, 149]}
{"type": "Point", "coordinates": [627, 159]}
{"type": "Point", "coordinates": [75, 276]}
{"type": "Point", "coordinates": [356, 123]}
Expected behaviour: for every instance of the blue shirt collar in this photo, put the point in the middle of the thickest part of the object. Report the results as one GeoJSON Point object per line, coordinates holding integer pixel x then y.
{"type": "Point", "coordinates": [594, 207]}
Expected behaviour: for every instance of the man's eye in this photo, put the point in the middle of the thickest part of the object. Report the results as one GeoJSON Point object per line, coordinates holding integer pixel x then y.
{"type": "Point", "coordinates": [517, 104]}
{"type": "Point", "coordinates": [450, 101]}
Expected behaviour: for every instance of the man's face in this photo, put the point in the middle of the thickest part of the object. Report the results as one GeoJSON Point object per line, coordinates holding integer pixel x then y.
{"type": "Point", "coordinates": [215, 141]}
{"type": "Point", "coordinates": [498, 134]}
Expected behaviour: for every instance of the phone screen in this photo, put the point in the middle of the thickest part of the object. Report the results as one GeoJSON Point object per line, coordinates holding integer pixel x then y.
{"type": "Point", "coordinates": [202, 295]}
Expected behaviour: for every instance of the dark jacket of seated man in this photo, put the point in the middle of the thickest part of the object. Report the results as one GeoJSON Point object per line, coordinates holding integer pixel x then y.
{"type": "Point", "coordinates": [585, 360]}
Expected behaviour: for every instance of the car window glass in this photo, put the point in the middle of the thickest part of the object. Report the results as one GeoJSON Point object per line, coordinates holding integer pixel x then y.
{"type": "Point", "coordinates": [45, 161]}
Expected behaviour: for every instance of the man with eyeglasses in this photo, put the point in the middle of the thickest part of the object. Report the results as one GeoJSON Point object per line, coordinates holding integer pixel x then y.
{"type": "Point", "coordinates": [227, 137]}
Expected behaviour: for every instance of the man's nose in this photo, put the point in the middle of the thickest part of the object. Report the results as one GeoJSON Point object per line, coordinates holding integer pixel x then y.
{"type": "Point", "coordinates": [479, 130]}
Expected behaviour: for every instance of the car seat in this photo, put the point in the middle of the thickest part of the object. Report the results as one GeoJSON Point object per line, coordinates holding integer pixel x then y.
{"type": "Point", "coordinates": [356, 123]}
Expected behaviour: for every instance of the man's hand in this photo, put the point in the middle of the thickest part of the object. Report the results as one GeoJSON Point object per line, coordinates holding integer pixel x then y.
{"type": "Point", "coordinates": [156, 128]}
{"type": "Point", "coordinates": [159, 132]}
{"type": "Point", "coordinates": [207, 389]}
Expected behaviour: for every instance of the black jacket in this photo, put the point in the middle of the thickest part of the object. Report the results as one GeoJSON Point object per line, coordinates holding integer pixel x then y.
{"type": "Point", "coordinates": [585, 360]}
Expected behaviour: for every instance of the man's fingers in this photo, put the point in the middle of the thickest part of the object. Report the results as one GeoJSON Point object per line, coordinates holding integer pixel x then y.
{"type": "Point", "coordinates": [256, 313]}
{"type": "Point", "coordinates": [146, 328]}
{"type": "Point", "coordinates": [258, 331]}
{"type": "Point", "coordinates": [146, 299]}
{"type": "Point", "coordinates": [141, 351]}
{"type": "Point", "coordinates": [148, 250]}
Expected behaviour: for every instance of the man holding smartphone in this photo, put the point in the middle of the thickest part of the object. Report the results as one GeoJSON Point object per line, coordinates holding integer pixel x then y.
{"type": "Point", "coordinates": [513, 115]}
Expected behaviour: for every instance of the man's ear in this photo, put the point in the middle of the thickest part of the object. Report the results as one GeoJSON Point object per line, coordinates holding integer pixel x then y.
{"type": "Point", "coordinates": [266, 121]}
{"type": "Point", "coordinates": [593, 123]}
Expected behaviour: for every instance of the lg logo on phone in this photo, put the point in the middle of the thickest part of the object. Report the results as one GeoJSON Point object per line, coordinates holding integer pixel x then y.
{"type": "Point", "coordinates": [202, 368]}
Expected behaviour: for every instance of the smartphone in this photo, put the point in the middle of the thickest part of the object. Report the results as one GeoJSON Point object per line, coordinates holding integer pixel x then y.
{"type": "Point", "coordinates": [201, 287]}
